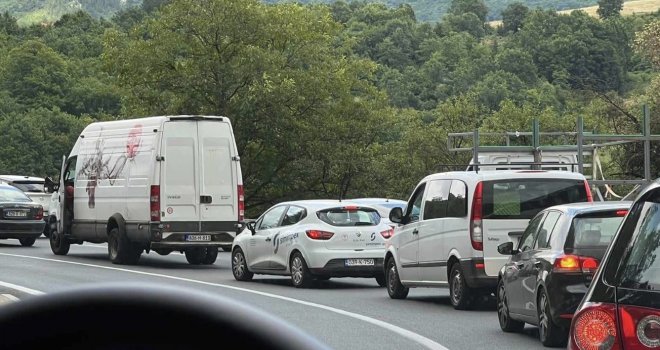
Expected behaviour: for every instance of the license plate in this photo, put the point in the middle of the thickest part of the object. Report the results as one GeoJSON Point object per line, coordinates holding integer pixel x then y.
{"type": "Point", "coordinates": [16, 214]}
{"type": "Point", "coordinates": [198, 238]}
{"type": "Point", "coordinates": [359, 262]}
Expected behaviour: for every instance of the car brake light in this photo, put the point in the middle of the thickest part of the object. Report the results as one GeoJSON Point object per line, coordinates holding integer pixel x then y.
{"type": "Point", "coordinates": [154, 203]}
{"type": "Point", "coordinates": [319, 235]}
{"type": "Point", "coordinates": [241, 203]}
{"type": "Point", "coordinates": [476, 227]}
{"type": "Point", "coordinates": [587, 188]}
{"type": "Point", "coordinates": [350, 207]}
{"type": "Point", "coordinates": [387, 233]}
{"type": "Point", "coordinates": [595, 328]}
{"type": "Point", "coordinates": [621, 212]}
{"type": "Point", "coordinates": [40, 214]}
{"type": "Point", "coordinates": [574, 263]}
{"type": "Point", "coordinates": [640, 327]}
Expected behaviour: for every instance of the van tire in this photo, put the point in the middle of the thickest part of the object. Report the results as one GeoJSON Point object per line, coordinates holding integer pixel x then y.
{"type": "Point", "coordinates": [195, 256]}
{"type": "Point", "coordinates": [211, 256]}
{"type": "Point", "coordinates": [120, 250]}
{"type": "Point", "coordinates": [27, 242]}
{"type": "Point", "coordinates": [460, 293]}
{"type": "Point", "coordinates": [58, 243]}
{"type": "Point", "coordinates": [395, 288]}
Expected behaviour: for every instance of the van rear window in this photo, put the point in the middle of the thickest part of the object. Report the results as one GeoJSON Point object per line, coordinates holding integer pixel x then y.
{"type": "Point", "coordinates": [349, 217]}
{"type": "Point", "coordinates": [524, 198]}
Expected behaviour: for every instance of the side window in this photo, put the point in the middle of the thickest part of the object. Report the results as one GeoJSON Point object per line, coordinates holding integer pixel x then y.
{"type": "Point", "coordinates": [272, 218]}
{"type": "Point", "coordinates": [70, 173]}
{"type": "Point", "coordinates": [293, 215]}
{"type": "Point", "coordinates": [437, 196]}
{"type": "Point", "coordinates": [543, 240]}
{"type": "Point", "coordinates": [414, 207]}
{"type": "Point", "coordinates": [527, 239]}
{"type": "Point", "coordinates": [457, 206]}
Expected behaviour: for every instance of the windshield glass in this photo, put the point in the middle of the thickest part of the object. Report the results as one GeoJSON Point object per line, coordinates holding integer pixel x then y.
{"type": "Point", "coordinates": [29, 186]}
{"type": "Point", "coordinates": [13, 195]}
{"type": "Point", "coordinates": [641, 267]}
{"type": "Point", "coordinates": [349, 217]}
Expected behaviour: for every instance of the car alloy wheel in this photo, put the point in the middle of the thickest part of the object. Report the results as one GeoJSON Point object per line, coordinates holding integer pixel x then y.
{"type": "Point", "coordinates": [297, 270]}
{"type": "Point", "coordinates": [456, 290]}
{"type": "Point", "coordinates": [238, 264]}
{"type": "Point", "coordinates": [502, 307]}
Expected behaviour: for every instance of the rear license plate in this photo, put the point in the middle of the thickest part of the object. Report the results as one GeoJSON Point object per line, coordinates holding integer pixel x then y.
{"type": "Point", "coordinates": [16, 213]}
{"type": "Point", "coordinates": [359, 262]}
{"type": "Point", "coordinates": [198, 238]}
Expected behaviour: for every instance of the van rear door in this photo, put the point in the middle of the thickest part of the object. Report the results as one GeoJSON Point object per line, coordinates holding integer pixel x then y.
{"type": "Point", "coordinates": [509, 204]}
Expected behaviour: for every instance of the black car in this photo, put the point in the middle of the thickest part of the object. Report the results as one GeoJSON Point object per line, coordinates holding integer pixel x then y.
{"type": "Point", "coordinates": [549, 273]}
{"type": "Point", "coordinates": [621, 309]}
{"type": "Point", "coordinates": [20, 217]}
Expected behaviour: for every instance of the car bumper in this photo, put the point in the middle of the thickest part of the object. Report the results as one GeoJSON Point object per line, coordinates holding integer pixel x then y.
{"type": "Point", "coordinates": [565, 292]}
{"type": "Point", "coordinates": [475, 274]}
{"type": "Point", "coordinates": [21, 229]}
{"type": "Point", "coordinates": [337, 268]}
{"type": "Point", "coordinates": [319, 257]}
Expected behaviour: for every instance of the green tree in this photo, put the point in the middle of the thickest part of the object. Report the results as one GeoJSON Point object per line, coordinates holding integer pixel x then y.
{"type": "Point", "coordinates": [513, 17]}
{"type": "Point", "coordinates": [477, 7]}
{"type": "Point", "coordinates": [609, 8]}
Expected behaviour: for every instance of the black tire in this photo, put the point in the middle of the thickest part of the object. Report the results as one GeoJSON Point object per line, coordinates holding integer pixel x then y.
{"type": "Point", "coordinates": [195, 256]}
{"type": "Point", "coordinates": [381, 280]}
{"type": "Point", "coordinates": [300, 275]}
{"type": "Point", "coordinates": [58, 243]}
{"type": "Point", "coordinates": [27, 242]}
{"type": "Point", "coordinates": [120, 250]}
{"type": "Point", "coordinates": [226, 249]}
{"type": "Point", "coordinates": [460, 294]}
{"type": "Point", "coordinates": [550, 334]}
{"type": "Point", "coordinates": [46, 232]}
{"type": "Point", "coordinates": [239, 266]}
{"type": "Point", "coordinates": [211, 256]}
{"type": "Point", "coordinates": [395, 289]}
{"type": "Point", "coordinates": [507, 324]}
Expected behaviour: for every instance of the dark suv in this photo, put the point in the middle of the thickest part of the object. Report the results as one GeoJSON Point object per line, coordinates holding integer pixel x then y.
{"type": "Point", "coordinates": [621, 309]}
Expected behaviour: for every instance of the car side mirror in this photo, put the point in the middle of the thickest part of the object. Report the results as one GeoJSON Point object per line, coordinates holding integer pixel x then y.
{"type": "Point", "coordinates": [49, 185]}
{"type": "Point", "coordinates": [396, 215]}
{"type": "Point", "coordinates": [251, 226]}
{"type": "Point", "coordinates": [506, 248]}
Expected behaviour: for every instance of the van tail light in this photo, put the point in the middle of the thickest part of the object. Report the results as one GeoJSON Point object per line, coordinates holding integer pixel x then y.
{"type": "Point", "coordinates": [574, 263]}
{"type": "Point", "coordinates": [640, 327]}
{"type": "Point", "coordinates": [40, 214]}
{"type": "Point", "coordinates": [387, 233]}
{"type": "Point", "coordinates": [319, 235]}
{"type": "Point", "coordinates": [587, 188]}
{"type": "Point", "coordinates": [241, 203]}
{"type": "Point", "coordinates": [476, 226]}
{"type": "Point", "coordinates": [154, 203]}
{"type": "Point", "coordinates": [594, 327]}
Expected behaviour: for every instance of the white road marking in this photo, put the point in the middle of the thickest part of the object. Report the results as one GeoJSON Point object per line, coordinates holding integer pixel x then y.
{"type": "Point", "coordinates": [21, 288]}
{"type": "Point", "coordinates": [418, 338]}
{"type": "Point", "coordinates": [10, 297]}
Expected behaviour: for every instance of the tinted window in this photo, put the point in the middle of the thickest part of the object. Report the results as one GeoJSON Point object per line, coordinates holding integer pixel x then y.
{"type": "Point", "coordinates": [437, 196]}
{"type": "Point", "coordinates": [70, 174]}
{"type": "Point", "coordinates": [527, 239]}
{"type": "Point", "coordinates": [272, 218]}
{"type": "Point", "coordinates": [414, 206]}
{"type": "Point", "coordinates": [457, 206]}
{"type": "Point", "coordinates": [350, 217]}
{"type": "Point", "coordinates": [293, 215]}
{"type": "Point", "coordinates": [594, 230]}
{"type": "Point", "coordinates": [13, 195]}
{"type": "Point", "coordinates": [545, 232]}
{"type": "Point", "coordinates": [641, 266]}
{"type": "Point", "coordinates": [524, 198]}
{"type": "Point", "coordinates": [29, 186]}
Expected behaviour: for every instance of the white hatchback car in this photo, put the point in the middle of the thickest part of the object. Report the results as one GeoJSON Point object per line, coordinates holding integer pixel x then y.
{"type": "Point", "coordinates": [314, 239]}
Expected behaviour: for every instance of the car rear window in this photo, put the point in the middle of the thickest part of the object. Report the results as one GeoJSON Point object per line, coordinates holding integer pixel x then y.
{"type": "Point", "coordinates": [640, 266]}
{"type": "Point", "coordinates": [594, 230]}
{"type": "Point", "coordinates": [524, 198]}
{"type": "Point", "coordinates": [13, 195]}
{"type": "Point", "coordinates": [29, 186]}
{"type": "Point", "coordinates": [349, 216]}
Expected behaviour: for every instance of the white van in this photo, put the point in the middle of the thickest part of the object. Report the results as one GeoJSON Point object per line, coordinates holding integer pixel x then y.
{"type": "Point", "coordinates": [454, 222]}
{"type": "Point", "coordinates": [169, 183]}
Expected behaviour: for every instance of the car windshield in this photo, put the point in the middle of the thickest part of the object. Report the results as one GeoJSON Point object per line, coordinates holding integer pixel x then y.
{"type": "Point", "coordinates": [349, 217]}
{"type": "Point", "coordinates": [12, 195]}
{"type": "Point", "coordinates": [37, 187]}
{"type": "Point", "coordinates": [641, 266]}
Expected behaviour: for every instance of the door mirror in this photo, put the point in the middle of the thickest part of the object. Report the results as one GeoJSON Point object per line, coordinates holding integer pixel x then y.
{"type": "Point", "coordinates": [50, 186]}
{"type": "Point", "coordinates": [396, 215]}
{"type": "Point", "coordinates": [251, 226]}
{"type": "Point", "coordinates": [506, 248]}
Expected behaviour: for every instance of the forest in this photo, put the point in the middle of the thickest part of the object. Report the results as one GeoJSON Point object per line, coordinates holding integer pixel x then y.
{"type": "Point", "coordinates": [341, 100]}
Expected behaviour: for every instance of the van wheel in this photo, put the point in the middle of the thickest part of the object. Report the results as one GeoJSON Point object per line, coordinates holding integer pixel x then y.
{"type": "Point", "coordinates": [58, 243]}
{"type": "Point", "coordinates": [506, 322]}
{"type": "Point", "coordinates": [27, 242]}
{"type": "Point", "coordinates": [120, 250]}
{"type": "Point", "coordinates": [211, 256]}
{"type": "Point", "coordinates": [459, 292]}
{"type": "Point", "coordinates": [300, 275]}
{"type": "Point", "coordinates": [551, 335]}
{"type": "Point", "coordinates": [195, 256]}
{"type": "Point", "coordinates": [395, 288]}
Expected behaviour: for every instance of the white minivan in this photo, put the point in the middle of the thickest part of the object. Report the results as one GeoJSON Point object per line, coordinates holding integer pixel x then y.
{"type": "Point", "coordinates": [167, 183]}
{"type": "Point", "coordinates": [454, 221]}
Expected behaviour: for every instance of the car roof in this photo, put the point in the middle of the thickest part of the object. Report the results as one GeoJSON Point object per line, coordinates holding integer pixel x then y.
{"type": "Point", "coordinates": [574, 209]}
{"type": "Point", "coordinates": [377, 201]}
{"type": "Point", "coordinates": [506, 174]}
{"type": "Point", "coordinates": [13, 178]}
{"type": "Point", "coordinates": [320, 204]}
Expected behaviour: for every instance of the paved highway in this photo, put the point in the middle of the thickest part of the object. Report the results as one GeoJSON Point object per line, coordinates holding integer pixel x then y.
{"type": "Point", "coordinates": [344, 313]}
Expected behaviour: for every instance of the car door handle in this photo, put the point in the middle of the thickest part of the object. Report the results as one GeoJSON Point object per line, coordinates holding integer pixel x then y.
{"type": "Point", "coordinates": [268, 239]}
{"type": "Point", "coordinates": [205, 199]}
{"type": "Point", "coordinates": [415, 231]}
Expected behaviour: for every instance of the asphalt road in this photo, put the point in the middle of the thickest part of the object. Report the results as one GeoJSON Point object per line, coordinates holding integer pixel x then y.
{"type": "Point", "coordinates": [345, 313]}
